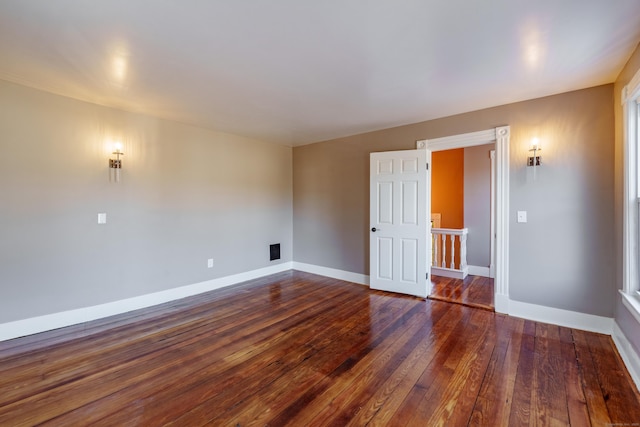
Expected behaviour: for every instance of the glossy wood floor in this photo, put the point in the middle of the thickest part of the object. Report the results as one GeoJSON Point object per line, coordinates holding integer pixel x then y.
{"type": "Point", "coordinates": [472, 291]}
{"type": "Point", "coordinates": [302, 350]}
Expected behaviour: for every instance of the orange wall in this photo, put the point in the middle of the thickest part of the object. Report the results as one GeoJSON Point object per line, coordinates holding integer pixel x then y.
{"type": "Point", "coordinates": [447, 187]}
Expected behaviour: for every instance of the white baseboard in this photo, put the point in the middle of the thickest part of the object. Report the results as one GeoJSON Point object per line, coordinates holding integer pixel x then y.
{"type": "Point", "coordinates": [501, 303]}
{"type": "Point", "coordinates": [557, 316]}
{"type": "Point", "coordinates": [347, 276]}
{"type": "Point", "coordinates": [34, 325]}
{"type": "Point", "coordinates": [476, 270]}
{"type": "Point", "coordinates": [628, 354]}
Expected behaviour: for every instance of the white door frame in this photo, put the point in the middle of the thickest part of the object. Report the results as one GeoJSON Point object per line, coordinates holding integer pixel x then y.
{"type": "Point", "coordinates": [501, 136]}
{"type": "Point", "coordinates": [492, 216]}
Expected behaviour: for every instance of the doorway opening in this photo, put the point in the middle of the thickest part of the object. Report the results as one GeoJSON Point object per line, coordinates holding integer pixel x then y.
{"type": "Point", "coordinates": [462, 215]}
{"type": "Point", "coordinates": [500, 136]}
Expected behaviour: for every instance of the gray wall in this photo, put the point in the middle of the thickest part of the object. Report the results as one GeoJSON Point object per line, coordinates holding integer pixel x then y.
{"type": "Point", "coordinates": [477, 204]}
{"type": "Point", "coordinates": [563, 257]}
{"type": "Point", "coordinates": [624, 319]}
{"type": "Point", "coordinates": [186, 194]}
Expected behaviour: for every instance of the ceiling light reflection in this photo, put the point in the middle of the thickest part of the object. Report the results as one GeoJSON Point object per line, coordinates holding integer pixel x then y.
{"type": "Point", "coordinates": [119, 68]}
{"type": "Point", "coordinates": [118, 65]}
{"type": "Point", "coordinates": [533, 47]}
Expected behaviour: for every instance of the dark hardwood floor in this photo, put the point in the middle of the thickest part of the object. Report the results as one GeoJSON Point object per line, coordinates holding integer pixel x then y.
{"type": "Point", "coordinates": [304, 350]}
{"type": "Point", "coordinates": [472, 291]}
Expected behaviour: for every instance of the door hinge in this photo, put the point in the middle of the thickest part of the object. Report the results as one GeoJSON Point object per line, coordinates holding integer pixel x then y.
{"type": "Point", "coordinates": [427, 166]}
{"type": "Point", "coordinates": [427, 276]}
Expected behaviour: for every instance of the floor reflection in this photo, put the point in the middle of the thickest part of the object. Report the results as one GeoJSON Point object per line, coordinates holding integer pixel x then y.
{"type": "Point", "coordinates": [473, 291]}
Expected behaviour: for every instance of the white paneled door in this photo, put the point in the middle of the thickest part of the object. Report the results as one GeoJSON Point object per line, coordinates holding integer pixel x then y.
{"type": "Point", "coordinates": [399, 225]}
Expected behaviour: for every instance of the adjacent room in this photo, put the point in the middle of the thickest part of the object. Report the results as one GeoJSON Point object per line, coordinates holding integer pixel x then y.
{"type": "Point", "coordinates": [226, 213]}
{"type": "Point", "coordinates": [462, 222]}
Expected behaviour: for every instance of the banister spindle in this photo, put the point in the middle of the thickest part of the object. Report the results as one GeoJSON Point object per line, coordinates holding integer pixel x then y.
{"type": "Point", "coordinates": [452, 239]}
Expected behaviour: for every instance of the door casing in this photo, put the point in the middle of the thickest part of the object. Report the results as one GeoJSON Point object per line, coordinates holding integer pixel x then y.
{"type": "Point", "coordinates": [501, 137]}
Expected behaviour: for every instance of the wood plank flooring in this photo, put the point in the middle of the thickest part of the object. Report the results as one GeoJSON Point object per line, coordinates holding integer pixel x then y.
{"type": "Point", "coordinates": [472, 291]}
{"type": "Point", "coordinates": [304, 350]}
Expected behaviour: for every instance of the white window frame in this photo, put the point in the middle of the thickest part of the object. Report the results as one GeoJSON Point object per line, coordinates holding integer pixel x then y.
{"type": "Point", "coordinates": [631, 203]}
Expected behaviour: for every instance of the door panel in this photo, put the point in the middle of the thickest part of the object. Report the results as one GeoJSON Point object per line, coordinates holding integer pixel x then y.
{"type": "Point", "coordinates": [385, 204]}
{"type": "Point", "coordinates": [409, 263]}
{"type": "Point", "coordinates": [385, 256]}
{"type": "Point", "coordinates": [410, 202]}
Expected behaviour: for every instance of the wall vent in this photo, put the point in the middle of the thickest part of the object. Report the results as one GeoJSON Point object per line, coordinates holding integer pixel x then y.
{"type": "Point", "coordinates": [274, 252]}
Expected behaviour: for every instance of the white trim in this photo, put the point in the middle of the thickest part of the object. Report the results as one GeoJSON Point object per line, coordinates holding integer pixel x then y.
{"type": "Point", "coordinates": [560, 317]}
{"type": "Point", "coordinates": [347, 276]}
{"type": "Point", "coordinates": [476, 270]}
{"type": "Point", "coordinates": [632, 303]}
{"type": "Point", "coordinates": [630, 235]}
{"type": "Point", "coordinates": [501, 281]}
{"type": "Point", "coordinates": [632, 90]}
{"type": "Point", "coordinates": [492, 218]}
{"type": "Point", "coordinates": [501, 303]}
{"type": "Point", "coordinates": [630, 195]}
{"type": "Point", "coordinates": [501, 137]}
{"type": "Point", "coordinates": [628, 353]}
{"type": "Point", "coordinates": [61, 319]}
{"type": "Point", "coordinates": [449, 272]}
{"type": "Point", "coordinates": [458, 141]}
{"type": "Point", "coordinates": [630, 232]}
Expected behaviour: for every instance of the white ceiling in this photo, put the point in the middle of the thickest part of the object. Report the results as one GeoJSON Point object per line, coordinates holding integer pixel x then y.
{"type": "Point", "coordinates": [296, 71]}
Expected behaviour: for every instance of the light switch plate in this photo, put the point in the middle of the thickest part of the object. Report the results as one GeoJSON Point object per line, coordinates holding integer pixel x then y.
{"type": "Point", "coordinates": [522, 216]}
{"type": "Point", "coordinates": [102, 218]}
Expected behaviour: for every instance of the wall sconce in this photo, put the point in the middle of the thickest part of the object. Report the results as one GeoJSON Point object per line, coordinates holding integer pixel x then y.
{"type": "Point", "coordinates": [535, 159]}
{"type": "Point", "coordinates": [116, 164]}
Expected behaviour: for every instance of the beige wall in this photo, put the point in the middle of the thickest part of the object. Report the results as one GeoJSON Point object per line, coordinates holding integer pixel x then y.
{"type": "Point", "coordinates": [624, 319]}
{"type": "Point", "coordinates": [563, 257]}
{"type": "Point", "coordinates": [186, 194]}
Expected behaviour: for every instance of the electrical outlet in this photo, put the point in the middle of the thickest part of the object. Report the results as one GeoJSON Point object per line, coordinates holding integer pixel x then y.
{"type": "Point", "coordinates": [210, 263]}
{"type": "Point", "coordinates": [522, 216]}
{"type": "Point", "coordinates": [102, 218]}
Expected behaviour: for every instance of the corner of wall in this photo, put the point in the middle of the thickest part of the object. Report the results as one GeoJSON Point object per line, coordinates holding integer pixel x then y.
{"type": "Point", "coordinates": [628, 354]}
